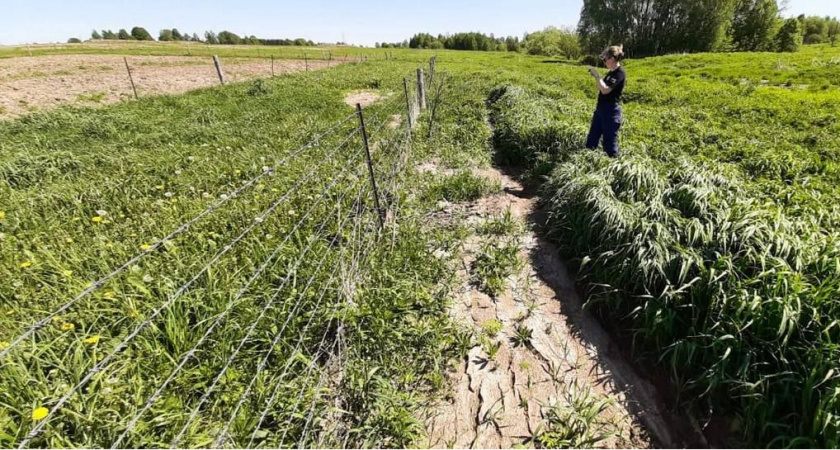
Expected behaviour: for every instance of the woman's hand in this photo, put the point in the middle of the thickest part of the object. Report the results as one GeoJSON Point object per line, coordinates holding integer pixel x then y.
{"type": "Point", "coordinates": [594, 72]}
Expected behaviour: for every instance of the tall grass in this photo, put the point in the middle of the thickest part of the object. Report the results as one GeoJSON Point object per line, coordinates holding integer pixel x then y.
{"type": "Point", "coordinates": [728, 291]}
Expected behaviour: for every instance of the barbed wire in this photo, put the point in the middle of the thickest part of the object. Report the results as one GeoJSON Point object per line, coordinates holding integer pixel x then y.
{"type": "Point", "coordinates": [106, 360]}
{"type": "Point", "coordinates": [224, 198]}
{"type": "Point", "coordinates": [214, 383]}
{"type": "Point", "coordinates": [231, 305]}
{"type": "Point", "coordinates": [288, 364]}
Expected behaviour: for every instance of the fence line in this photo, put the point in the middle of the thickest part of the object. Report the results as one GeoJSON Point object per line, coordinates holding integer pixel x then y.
{"type": "Point", "coordinates": [359, 259]}
{"type": "Point", "coordinates": [210, 389]}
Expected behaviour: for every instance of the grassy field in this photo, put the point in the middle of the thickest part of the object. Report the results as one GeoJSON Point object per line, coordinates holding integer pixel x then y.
{"type": "Point", "coordinates": [199, 49]}
{"type": "Point", "coordinates": [712, 240]}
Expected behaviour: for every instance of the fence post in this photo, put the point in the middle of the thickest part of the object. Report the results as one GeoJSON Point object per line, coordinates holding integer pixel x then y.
{"type": "Point", "coordinates": [306, 62]}
{"type": "Point", "coordinates": [130, 78]}
{"type": "Point", "coordinates": [218, 65]}
{"type": "Point", "coordinates": [432, 63]}
{"type": "Point", "coordinates": [421, 89]}
{"type": "Point", "coordinates": [272, 65]}
{"type": "Point", "coordinates": [363, 131]}
{"type": "Point", "coordinates": [408, 106]}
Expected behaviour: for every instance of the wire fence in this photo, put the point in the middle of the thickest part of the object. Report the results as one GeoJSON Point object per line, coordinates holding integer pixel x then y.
{"type": "Point", "coordinates": [293, 326]}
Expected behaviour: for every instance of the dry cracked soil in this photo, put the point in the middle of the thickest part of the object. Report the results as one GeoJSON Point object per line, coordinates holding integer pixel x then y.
{"type": "Point", "coordinates": [503, 392]}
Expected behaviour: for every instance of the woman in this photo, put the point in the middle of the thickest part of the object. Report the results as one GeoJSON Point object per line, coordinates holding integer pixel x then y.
{"type": "Point", "coordinates": [607, 118]}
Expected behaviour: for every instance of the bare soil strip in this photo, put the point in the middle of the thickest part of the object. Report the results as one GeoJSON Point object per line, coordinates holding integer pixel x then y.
{"type": "Point", "coordinates": [44, 82]}
{"type": "Point", "coordinates": [504, 400]}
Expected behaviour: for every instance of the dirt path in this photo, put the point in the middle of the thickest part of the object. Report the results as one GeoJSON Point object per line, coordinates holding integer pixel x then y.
{"type": "Point", "coordinates": [43, 82]}
{"type": "Point", "coordinates": [555, 381]}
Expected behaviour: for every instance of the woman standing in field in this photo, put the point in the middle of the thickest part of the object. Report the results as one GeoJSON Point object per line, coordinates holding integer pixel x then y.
{"type": "Point", "coordinates": [607, 118]}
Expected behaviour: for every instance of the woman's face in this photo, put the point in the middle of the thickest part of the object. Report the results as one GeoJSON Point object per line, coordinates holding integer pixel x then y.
{"type": "Point", "coordinates": [611, 62]}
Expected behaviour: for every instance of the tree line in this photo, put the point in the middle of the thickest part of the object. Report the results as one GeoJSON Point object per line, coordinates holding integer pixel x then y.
{"type": "Point", "coordinates": [174, 35]}
{"type": "Point", "coordinates": [551, 41]}
{"type": "Point", "coordinates": [656, 27]}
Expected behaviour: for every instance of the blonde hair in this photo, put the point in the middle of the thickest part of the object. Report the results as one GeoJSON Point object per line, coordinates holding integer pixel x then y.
{"type": "Point", "coordinates": [615, 51]}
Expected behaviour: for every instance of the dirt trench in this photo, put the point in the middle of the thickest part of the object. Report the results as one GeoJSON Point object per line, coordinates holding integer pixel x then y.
{"type": "Point", "coordinates": [505, 400]}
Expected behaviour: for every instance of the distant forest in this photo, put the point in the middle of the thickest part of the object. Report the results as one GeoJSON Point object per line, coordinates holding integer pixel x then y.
{"type": "Point", "coordinates": [209, 37]}
{"type": "Point", "coordinates": [655, 27]}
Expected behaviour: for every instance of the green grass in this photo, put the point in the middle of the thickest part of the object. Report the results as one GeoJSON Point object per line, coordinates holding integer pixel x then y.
{"type": "Point", "coordinates": [714, 237]}
{"type": "Point", "coordinates": [494, 263]}
{"type": "Point", "coordinates": [93, 97]}
{"type": "Point", "coordinates": [84, 190]}
{"type": "Point", "coordinates": [464, 186]}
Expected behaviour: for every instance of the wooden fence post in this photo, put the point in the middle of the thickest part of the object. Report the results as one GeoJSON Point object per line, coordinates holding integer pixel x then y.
{"type": "Point", "coordinates": [218, 65]}
{"type": "Point", "coordinates": [272, 65]}
{"type": "Point", "coordinates": [130, 78]}
{"type": "Point", "coordinates": [421, 89]}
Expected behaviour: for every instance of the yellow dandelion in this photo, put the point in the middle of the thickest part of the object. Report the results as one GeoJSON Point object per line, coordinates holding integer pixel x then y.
{"type": "Point", "coordinates": [275, 190]}
{"type": "Point", "coordinates": [110, 295]}
{"type": "Point", "coordinates": [260, 187]}
{"type": "Point", "coordinates": [69, 240]}
{"type": "Point", "coordinates": [67, 327]}
{"type": "Point", "coordinates": [133, 313]}
{"type": "Point", "coordinates": [26, 264]}
{"type": "Point", "coordinates": [67, 273]}
{"type": "Point", "coordinates": [88, 285]}
{"type": "Point", "coordinates": [2, 214]}
{"type": "Point", "coordinates": [4, 345]}
{"type": "Point", "coordinates": [56, 319]}
{"type": "Point", "coordinates": [159, 187]}
{"type": "Point", "coordinates": [145, 247]}
{"type": "Point", "coordinates": [237, 171]}
{"type": "Point", "coordinates": [40, 413]}
{"type": "Point", "coordinates": [97, 219]}
{"type": "Point", "coordinates": [92, 340]}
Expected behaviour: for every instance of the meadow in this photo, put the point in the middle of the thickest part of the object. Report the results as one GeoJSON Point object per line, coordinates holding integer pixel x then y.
{"type": "Point", "coordinates": [711, 243]}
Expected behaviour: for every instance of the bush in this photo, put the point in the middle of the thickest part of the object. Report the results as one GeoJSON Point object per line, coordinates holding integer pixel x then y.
{"type": "Point", "coordinates": [553, 42]}
{"type": "Point", "coordinates": [74, 41]}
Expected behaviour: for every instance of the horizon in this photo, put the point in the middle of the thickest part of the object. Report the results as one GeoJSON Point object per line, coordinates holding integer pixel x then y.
{"type": "Point", "coordinates": [362, 24]}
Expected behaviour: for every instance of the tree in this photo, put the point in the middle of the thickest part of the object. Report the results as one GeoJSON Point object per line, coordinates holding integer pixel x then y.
{"type": "Point", "coordinates": [654, 27]}
{"type": "Point", "coordinates": [229, 38]}
{"type": "Point", "coordinates": [195, 38]}
{"type": "Point", "coordinates": [211, 38]}
{"type": "Point", "coordinates": [109, 35]}
{"type": "Point", "coordinates": [141, 34]}
{"type": "Point", "coordinates": [553, 42]}
{"type": "Point", "coordinates": [754, 24]}
{"type": "Point", "coordinates": [833, 31]}
{"type": "Point", "coordinates": [95, 35]}
{"type": "Point", "coordinates": [74, 41]}
{"type": "Point", "coordinates": [789, 37]}
{"type": "Point", "coordinates": [814, 29]}
{"type": "Point", "coordinates": [123, 35]}
{"type": "Point", "coordinates": [176, 35]}
{"type": "Point", "coordinates": [165, 35]}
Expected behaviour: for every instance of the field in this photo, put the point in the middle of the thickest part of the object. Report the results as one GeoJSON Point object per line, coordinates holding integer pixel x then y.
{"type": "Point", "coordinates": [283, 317]}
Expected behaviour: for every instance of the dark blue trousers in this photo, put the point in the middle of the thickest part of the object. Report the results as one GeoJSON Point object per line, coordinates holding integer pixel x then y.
{"type": "Point", "coordinates": [605, 123]}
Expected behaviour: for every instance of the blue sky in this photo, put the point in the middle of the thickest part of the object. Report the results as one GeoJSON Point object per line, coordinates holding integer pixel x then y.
{"type": "Point", "coordinates": [357, 21]}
